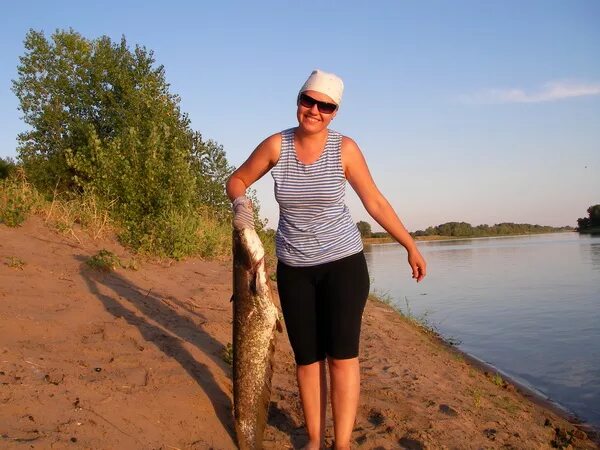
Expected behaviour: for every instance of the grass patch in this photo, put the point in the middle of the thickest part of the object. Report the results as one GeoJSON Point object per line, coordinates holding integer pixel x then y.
{"type": "Point", "coordinates": [227, 354]}
{"type": "Point", "coordinates": [506, 404]}
{"type": "Point", "coordinates": [177, 234]}
{"type": "Point", "coordinates": [498, 380]}
{"type": "Point", "coordinates": [131, 264]}
{"type": "Point", "coordinates": [104, 261]}
{"type": "Point", "coordinates": [458, 357]}
{"type": "Point", "coordinates": [17, 199]}
{"type": "Point", "coordinates": [15, 263]}
{"type": "Point", "coordinates": [477, 398]}
{"type": "Point", "coordinates": [421, 321]}
{"type": "Point", "coordinates": [66, 212]}
{"type": "Point", "coordinates": [172, 233]}
{"type": "Point", "coordinates": [563, 439]}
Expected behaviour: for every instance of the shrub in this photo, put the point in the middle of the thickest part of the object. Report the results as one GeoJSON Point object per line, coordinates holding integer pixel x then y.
{"type": "Point", "coordinates": [103, 124]}
{"type": "Point", "coordinates": [7, 167]}
{"type": "Point", "coordinates": [17, 199]}
{"type": "Point", "coordinates": [104, 261]}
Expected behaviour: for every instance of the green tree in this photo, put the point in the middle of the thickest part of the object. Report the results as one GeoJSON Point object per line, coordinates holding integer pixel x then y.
{"type": "Point", "coordinates": [102, 120]}
{"type": "Point", "coordinates": [592, 220]}
{"type": "Point", "coordinates": [364, 228]}
{"type": "Point", "coordinates": [594, 215]}
{"type": "Point", "coordinates": [7, 166]}
{"type": "Point", "coordinates": [208, 161]}
{"type": "Point", "coordinates": [76, 94]}
{"type": "Point", "coordinates": [583, 223]}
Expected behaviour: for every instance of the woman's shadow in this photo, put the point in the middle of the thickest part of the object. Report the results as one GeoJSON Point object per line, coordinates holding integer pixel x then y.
{"type": "Point", "coordinates": [179, 329]}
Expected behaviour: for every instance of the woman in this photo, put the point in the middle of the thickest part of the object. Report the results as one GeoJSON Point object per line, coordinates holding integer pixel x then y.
{"type": "Point", "coordinates": [322, 274]}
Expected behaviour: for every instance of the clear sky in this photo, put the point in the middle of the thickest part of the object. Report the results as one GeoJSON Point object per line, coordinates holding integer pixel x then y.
{"type": "Point", "coordinates": [465, 110]}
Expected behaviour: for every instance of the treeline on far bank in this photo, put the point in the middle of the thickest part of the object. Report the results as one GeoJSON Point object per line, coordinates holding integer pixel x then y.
{"type": "Point", "coordinates": [464, 229]}
{"type": "Point", "coordinates": [591, 223]}
{"type": "Point", "coordinates": [108, 147]}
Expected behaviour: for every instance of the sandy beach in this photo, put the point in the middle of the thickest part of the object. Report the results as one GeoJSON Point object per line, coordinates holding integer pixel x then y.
{"type": "Point", "coordinates": [135, 359]}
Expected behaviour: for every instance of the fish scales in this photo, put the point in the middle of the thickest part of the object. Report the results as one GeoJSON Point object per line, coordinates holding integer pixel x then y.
{"type": "Point", "coordinates": [255, 319]}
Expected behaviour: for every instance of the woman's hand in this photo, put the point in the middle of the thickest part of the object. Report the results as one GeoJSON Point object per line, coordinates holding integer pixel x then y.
{"type": "Point", "coordinates": [243, 214]}
{"type": "Point", "coordinates": [417, 264]}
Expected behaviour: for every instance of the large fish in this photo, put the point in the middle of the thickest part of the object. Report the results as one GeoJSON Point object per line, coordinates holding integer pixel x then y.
{"type": "Point", "coordinates": [255, 319]}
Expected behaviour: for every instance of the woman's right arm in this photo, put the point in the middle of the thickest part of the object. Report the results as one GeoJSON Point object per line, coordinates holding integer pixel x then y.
{"type": "Point", "coordinates": [262, 159]}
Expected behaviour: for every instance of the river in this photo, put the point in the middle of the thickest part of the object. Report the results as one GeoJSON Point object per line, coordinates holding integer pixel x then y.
{"type": "Point", "coordinates": [527, 305]}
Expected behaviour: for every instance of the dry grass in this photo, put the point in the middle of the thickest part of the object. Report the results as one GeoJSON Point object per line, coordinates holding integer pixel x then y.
{"type": "Point", "coordinates": [15, 263]}
{"type": "Point", "coordinates": [72, 215]}
{"type": "Point", "coordinates": [201, 233]}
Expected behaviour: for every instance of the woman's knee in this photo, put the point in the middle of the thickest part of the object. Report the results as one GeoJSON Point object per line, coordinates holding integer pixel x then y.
{"type": "Point", "coordinates": [341, 365]}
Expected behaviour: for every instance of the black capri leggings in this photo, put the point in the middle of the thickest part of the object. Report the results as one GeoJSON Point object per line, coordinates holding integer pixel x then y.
{"type": "Point", "coordinates": [322, 307]}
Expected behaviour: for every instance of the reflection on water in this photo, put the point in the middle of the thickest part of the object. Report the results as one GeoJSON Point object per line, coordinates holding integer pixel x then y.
{"type": "Point", "coordinates": [594, 252]}
{"type": "Point", "coordinates": [529, 305]}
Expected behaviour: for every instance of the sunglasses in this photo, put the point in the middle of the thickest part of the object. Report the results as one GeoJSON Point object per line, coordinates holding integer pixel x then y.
{"type": "Point", "coordinates": [308, 102]}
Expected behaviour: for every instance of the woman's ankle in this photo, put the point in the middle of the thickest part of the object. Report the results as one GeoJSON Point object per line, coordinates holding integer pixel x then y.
{"type": "Point", "coordinates": [312, 445]}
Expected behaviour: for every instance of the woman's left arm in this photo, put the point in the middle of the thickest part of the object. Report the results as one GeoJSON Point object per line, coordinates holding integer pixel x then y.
{"type": "Point", "coordinates": [358, 175]}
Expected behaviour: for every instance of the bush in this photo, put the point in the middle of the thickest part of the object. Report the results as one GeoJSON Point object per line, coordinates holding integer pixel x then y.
{"type": "Point", "coordinates": [7, 167]}
{"type": "Point", "coordinates": [104, 126]}
{"type": "Point", "coordinates": [17, 199]}
{"type": "Point", "coordinates": [104, 261]}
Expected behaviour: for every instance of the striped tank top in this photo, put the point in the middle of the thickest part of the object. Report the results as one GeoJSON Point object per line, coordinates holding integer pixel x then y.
{"type": "Point", "coordinates": [315, 225]}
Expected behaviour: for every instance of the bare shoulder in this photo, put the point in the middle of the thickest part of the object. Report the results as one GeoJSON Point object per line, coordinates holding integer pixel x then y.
{"type": "Point", "coordinates": [351, 154]}
{"type": "Point", "coordinates": [270, 148]}
{"type": "Point", "coordinates": [349, 143]}
{"type": "Point", "coordinates": [274, 139]}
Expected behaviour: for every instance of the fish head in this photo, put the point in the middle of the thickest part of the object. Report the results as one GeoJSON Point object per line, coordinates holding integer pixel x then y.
{"type": "Point", "coordinates": [247, 248]}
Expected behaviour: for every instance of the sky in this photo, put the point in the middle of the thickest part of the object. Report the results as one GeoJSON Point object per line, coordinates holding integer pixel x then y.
{"type": "Point", "coordinates": [474, 111]}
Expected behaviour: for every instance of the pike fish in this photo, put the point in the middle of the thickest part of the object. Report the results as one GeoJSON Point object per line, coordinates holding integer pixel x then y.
{"type": "Point", "coordinates": [255, 319]}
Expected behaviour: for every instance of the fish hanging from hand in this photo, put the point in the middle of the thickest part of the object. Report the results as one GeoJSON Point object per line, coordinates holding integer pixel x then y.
{"type": "Point", "coordinates": [255, 319]}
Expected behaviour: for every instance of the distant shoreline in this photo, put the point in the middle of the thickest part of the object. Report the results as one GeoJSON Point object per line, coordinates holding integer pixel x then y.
{"type": "Point", "coordinates": [389, 240]}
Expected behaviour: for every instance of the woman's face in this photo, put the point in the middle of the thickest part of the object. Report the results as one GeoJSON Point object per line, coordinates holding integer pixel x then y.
{"type": "Point", "coordinates": [311, 120]}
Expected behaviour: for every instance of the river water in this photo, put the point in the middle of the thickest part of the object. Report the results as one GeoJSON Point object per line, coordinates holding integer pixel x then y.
{"type": "Point", "coordinates": [528, 305]}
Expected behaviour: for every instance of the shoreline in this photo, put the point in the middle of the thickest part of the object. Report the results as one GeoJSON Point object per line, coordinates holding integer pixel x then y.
{"type": "Point", "coordinates": [531, 393]}
{"type": "Point", "coordinates": [589, 423]}
{"type": "Point", "coordinates": [525, 389]}
{"type": "Point", "coordinates": [435, 238]}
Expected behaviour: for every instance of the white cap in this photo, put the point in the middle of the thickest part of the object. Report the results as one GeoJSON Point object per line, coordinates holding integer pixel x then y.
{"type": "Point", "coordinates": [325, 83]}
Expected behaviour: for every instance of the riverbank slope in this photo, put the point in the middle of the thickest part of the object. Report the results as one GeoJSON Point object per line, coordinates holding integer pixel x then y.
{"type": "Point", "coordinates": [136, 359]}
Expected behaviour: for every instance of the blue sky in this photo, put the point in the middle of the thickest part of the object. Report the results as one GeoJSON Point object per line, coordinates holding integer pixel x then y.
{"type": "Point", "coordinates": [466, 110]}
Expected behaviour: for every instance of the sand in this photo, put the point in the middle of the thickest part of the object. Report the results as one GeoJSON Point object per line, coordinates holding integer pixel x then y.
{"type": "Point", "coordinates": [134, 359]}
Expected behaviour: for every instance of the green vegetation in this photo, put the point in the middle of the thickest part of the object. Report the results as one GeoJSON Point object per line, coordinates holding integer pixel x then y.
{"type": "Point", "coordinates": [104, 261]}
{"type": "Point", "coordinates": [466, 230]}
{"type": "Point", "coordinates": [15, 263]}
{"type": "Point", "coordinates": [591, 223]}
{"type": "Point", "coordinates": [7, 166]}
{"type": "Point", "coordinates": [227, 354]}
{"type": "Point", "coordinates": [364, 228]}
{"type": "Point", "coordinates": [497, 380]}
{"type": "Point", "coordinates": [17, 199]}
{"type": "Point", "coordinates": [477, 397]}
{"type": "Point", "coordinates": [108, 147]}
{"type": "Point", "coordinates": [421, 321]}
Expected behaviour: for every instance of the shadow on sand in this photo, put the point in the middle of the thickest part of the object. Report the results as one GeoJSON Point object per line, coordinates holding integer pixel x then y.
{"type": "Point", "coordinates": [175, 329]}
